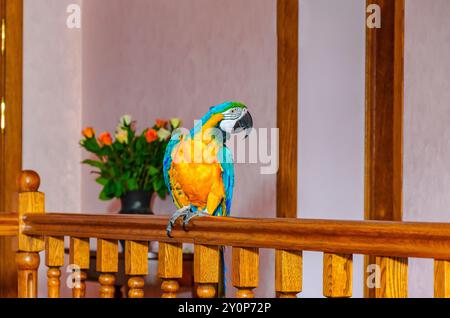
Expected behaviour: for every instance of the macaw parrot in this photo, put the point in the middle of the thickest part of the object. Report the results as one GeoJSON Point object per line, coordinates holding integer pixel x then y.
{"type": "Point", "coordinates": [198, 167]}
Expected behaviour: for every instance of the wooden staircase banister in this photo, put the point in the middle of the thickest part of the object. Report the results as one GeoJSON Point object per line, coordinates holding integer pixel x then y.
{"type": "Point", "coordinates": [392, 243]}
{"type": "Point", "coordinates": [395, 239]}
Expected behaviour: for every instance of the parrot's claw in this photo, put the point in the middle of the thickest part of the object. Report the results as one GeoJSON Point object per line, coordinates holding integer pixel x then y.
{"type": "Point", "coordinates": [181, 212]}
{"type": "Point", "coordinates": [190, 216]}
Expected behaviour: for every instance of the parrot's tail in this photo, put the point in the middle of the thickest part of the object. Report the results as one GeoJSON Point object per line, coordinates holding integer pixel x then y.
{"type": "Point", "coordinates": [221, 290]}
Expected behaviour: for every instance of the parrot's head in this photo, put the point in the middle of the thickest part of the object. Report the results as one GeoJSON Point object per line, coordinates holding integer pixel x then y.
{"type": "Point", "coordinates": [236, 118]}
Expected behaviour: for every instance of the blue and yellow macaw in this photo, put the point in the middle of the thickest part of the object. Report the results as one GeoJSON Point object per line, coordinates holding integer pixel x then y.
{"type": "Point", "coordinates": [198, 167]}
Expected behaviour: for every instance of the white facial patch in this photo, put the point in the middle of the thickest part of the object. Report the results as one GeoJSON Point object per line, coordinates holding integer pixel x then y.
{"type": "Point", "coordinates": [227, 125]}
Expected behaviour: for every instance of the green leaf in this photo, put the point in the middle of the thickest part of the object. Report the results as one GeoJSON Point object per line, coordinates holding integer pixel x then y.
{"type": "Point", "coordinates": [93, 163]}
{"type": "Point", "coordinates": [158, 183]}
{"type": "Point", "coordinates": [132, 185]}
{"type": "Point", "coordinates": [119, 190]}
{"type": "Point", "coordinates": [104, 196]}
{"type": "Point", "coordinates": [102, 181]}
{"type": "Point", "coordinates": [153, 171]}
{"type": "Point", "coordinates": [91, 145]}
{"type": "Point", "coordinates": [162, 192]}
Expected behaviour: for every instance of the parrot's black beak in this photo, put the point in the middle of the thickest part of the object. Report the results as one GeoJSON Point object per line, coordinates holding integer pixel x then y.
{"type": "Point", "coordinates": [245, 123]}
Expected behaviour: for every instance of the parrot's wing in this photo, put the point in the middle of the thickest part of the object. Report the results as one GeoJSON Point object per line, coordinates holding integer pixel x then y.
{"type": "Point", "coordinates": [167, 164]}
{"type": "Point", "coordinates": [227, 178]}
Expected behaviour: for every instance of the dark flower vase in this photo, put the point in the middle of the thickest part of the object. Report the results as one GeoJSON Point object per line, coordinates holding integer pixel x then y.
{"type": "Point", "coordinates": [136, 202]}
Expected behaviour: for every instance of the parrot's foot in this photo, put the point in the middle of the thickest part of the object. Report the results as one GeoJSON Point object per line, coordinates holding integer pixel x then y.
{"type": "Point", "coordinates": [190, 215]}
{"type": "Point", "coordinates": [183, 212]}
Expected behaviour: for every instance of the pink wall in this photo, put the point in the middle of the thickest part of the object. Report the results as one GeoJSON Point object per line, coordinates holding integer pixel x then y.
{"type": "Point", "coordinates": [427, 129]}
{"type": "Point", "coordinates": [160, 59]}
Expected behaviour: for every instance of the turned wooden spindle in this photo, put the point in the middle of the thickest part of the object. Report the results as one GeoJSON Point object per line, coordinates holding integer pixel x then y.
{"type": "Point", "coordinates": [30, 202]}
{"type": "Point", "coordinates": [245, 271]}
{"type": "Point", "coordinates": [136, 287]}
{"type": "Point", "coordinates": [288, 273]}
{"type": "Point", "coordinates": [107, 289]}
{"type": "Point", "coordinates": [107, 265]}
{"type": "Point", "coordinates": [79, 259]}
{"type": "Point", "coordinates": [54, 259]}
{"type": "Point", "coordinates": [170, 268]}
{"type": "Point", "coordinates": [136, 266]}
{"type": "Point", "coordinates": [206, 270]}
{"type": "Point", "coordinates": [441, 279]}
{"type": "Point", "coordinates": [394, 277]}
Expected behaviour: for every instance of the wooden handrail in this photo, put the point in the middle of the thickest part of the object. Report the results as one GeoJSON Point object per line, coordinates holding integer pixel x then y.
{"type": "Point", "coordinates": [399, 239]}
{"type": "Point", "coordinates": [9, 224]}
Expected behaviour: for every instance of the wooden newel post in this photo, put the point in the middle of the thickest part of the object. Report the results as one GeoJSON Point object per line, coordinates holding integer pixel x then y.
{"type": "Point", "coordinates": [170, 268]}
{"type": "Point", "coordinates": [30, 202]}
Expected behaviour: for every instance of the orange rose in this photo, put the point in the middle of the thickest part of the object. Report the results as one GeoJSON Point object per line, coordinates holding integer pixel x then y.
{"type": "Point", "coordinates": [88, 132]}
{"type": "Point", "coordinates": [160, 123]}
{"type": "Point", "coordinates": [105, 139]}
{"type": "Point", "coordinates": [151, 135]}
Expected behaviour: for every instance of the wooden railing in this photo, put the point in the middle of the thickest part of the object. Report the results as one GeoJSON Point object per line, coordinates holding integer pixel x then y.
{"type": "Point", "coordinates": [391, 242]}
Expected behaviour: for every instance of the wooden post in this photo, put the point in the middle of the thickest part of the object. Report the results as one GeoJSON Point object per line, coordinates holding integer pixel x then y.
{"type": "Point", "coordinates": [54, 259]}
{"type": "Point", "coordinates": [287, 105]}
{"type": "Point", "coordinates": [288, 273]}
{"type": "Point", "coordinates": [245, 271]}
{"type": "Point", "coordinates": [384, 118]}
{"type": "Point", "coordinates": [170, 268]}
{"type": "Point", "coordinates": [30, 202]}
{"type": "Point", "coordinates": [441, 279]}
{"type": "Point", "coordinates": [394, 277]}
{"type": "Point", "coordinates": [107, 265]}
{"type": "Point", "coordinates": [206, 270]}
{"type": "Point", "coordinates": [79, 257]}
{"type": "Point", "coordinates": [337, 275]}
{"type": "Point", "coordinates": [11, 87]}
{"type": "Point", "coordinates": [136, 266]}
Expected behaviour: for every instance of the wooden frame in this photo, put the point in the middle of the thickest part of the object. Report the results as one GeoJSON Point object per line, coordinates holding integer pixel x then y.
{"type": "Point", "coordinates": [384, 116]}
{"type": "Point", "coordinates": [11, 137]}
{"type": "Point", "coordinates": [287, 106]}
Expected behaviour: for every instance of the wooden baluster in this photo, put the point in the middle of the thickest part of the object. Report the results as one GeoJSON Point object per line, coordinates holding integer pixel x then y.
{"type": "Point", "coordinates": [170, 268]}
{"type": "Point", "coordinates": [206, 270]}
{"type": "Point", "coordinates": [288, 273]}
{"type": "Point", "coordinates": [107, 265]}
{"type": "Point", "coordinates": [30, 202]}
{"type": "Point", "coordinates": [79, 258]}
{"type": "Point", "coordinates": [136, 266]}
{"type": "Point", "coordinates": [337, 275]}
{"type": "Point", "coordinates": [54, 259]}
{"type": "Point", "coordinates": [245, 271]}
{"type": "Point", "coordinates": [394, 277]}
{"type": "Point", "coordinates": [441, 279]}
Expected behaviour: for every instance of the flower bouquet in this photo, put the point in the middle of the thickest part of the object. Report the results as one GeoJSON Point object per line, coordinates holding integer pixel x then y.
{"type": "Point", "coordinates": [131, 162]}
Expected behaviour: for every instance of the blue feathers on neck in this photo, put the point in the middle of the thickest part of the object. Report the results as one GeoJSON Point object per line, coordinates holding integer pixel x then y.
{"type": "Point", "coordinates": [212, 111]}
